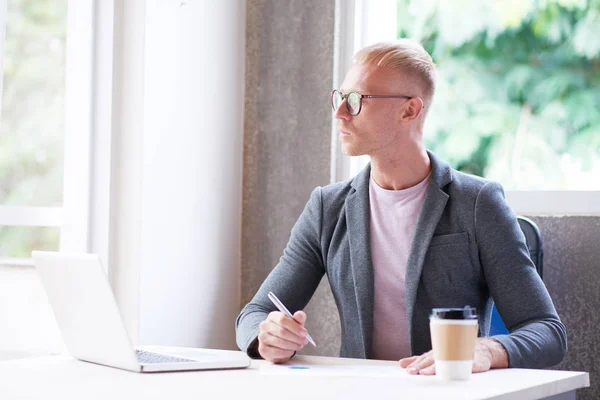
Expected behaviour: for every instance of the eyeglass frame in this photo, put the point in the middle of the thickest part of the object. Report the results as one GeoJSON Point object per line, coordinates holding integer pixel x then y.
{"type": "Point", "coordinates": [360, 97]}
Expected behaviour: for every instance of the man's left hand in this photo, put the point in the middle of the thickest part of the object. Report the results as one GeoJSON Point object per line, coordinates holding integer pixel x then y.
{"type": "Point", "coordinates": [489, 354]}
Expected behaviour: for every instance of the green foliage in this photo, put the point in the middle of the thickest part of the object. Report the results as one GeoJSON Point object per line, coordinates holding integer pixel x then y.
{"type": "Point", "coordinates": [518, 96]}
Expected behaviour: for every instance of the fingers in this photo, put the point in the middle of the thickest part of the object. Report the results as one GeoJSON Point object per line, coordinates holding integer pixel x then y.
{"type": "Point", "coordinates": [405, 362]}
{"type": "Point", "coordinates": [300, 317]}
{"type": "Point", "coordinates": [482, 360]}
{"type": "Point", "coordinates": [280, 330]}
{"type": "Point", "coordinates": [422, 364]}
{"type": "Point", "coordinates": [269, 339]}
{"type": "Point", "coordinates": [273, 354]}
{"type": "Point", "coordinates": [280, 336]}
{"type": "Point", "coordinates": [281, 325]}
{"type": "Point", "coordinates": [428, 370]}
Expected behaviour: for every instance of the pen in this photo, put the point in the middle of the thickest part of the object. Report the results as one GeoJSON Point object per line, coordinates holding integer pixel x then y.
{"type": "Point", "coordinates": [287, 312]}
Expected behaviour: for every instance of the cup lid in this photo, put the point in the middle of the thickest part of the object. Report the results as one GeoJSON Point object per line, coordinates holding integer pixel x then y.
{"type": "Point", "coordinates": [454, 313]}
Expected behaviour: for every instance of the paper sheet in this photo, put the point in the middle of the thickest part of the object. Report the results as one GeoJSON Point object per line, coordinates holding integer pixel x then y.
{"type": "Point", "coordinates": [333, 370]}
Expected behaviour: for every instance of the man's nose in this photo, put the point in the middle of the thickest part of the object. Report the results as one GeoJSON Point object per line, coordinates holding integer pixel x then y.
{"type": "Point", "coordinates": [342, 111]}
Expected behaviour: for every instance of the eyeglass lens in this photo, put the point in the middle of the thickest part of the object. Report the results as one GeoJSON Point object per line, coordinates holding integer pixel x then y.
{"type": "Point", "coordinates": [352, 101]}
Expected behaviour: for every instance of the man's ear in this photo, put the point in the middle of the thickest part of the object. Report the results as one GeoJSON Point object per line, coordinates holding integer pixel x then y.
{"type": "Point", "coordinates": [413, 109]}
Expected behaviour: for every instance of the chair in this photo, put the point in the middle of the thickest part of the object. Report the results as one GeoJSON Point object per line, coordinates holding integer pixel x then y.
{"type": "Point", "coordinates": [533, 240]}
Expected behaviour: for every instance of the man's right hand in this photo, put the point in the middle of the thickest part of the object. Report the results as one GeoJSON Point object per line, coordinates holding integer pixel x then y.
{"type": "Point", "coordinates": [280, 336]}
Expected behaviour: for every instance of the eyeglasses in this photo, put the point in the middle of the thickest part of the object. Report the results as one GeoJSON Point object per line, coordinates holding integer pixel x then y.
{"type": "Point", "coordinates": [354, 100]}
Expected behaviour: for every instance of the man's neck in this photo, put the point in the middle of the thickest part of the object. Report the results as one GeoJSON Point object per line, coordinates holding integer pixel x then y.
{"type": "Point", "coordinates": [403, 171]}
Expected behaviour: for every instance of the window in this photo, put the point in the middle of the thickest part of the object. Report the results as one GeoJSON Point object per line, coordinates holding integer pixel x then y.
{"type": "Point", "coordinates": [518, 97]}
{"type": "Point", "coordinates": [32, 127]}
{"type": "Point", "coordinates": [45, 127]}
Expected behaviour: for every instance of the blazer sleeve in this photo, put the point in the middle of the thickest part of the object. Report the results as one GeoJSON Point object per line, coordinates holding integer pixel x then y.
{"type": "Point", "coordinates": [537, 337]}
{"type": "Point", "coordinates": [294, 279]}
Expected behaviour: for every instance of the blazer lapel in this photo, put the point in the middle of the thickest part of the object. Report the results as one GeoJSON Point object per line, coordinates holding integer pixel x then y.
{"type": "Point", "coordinates": [357, 222]}
{"type": "Point", "coordinates": [433, 207]}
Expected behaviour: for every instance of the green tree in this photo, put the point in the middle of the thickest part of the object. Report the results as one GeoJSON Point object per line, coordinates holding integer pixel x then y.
{"type": "Point", "coordinates": [518, 95]}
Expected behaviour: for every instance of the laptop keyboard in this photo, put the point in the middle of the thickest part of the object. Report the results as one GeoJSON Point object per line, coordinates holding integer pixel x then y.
{"type": "Point", "coordinates": [146, 357]}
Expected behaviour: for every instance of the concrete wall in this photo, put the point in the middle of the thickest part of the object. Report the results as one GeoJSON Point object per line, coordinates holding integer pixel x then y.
{"type": "Point", "coordinates": [289, 67]}
{"type": "Point", "coordinates": [572, 275]}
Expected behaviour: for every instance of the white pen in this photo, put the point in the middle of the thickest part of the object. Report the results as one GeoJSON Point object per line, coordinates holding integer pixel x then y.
{"type": "Point", "coordinates": [287, 312]}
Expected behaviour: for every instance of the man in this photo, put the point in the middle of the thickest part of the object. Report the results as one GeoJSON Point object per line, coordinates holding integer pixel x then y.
{"type": "Point", "coordinates": [405, 235]}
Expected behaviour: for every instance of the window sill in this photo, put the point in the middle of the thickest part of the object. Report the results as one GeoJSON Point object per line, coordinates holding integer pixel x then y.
{"type": "Point", "coordinates": [16, 262]}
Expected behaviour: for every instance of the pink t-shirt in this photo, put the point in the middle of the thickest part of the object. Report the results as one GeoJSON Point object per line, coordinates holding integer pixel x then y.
{"type": "Point", "coordinates": [394, 216]}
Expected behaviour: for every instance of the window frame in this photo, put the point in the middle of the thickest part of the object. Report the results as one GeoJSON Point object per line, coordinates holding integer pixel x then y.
{"type": "Point", "coordinates": [360, 23]}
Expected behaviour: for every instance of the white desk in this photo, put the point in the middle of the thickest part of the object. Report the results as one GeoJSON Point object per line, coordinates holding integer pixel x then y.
{"type": "Point", "coordinates": [65, 378]}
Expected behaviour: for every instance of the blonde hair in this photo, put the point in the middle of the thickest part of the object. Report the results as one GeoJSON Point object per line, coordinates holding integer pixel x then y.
{"type": "Point", "coordinates": [407, 56]}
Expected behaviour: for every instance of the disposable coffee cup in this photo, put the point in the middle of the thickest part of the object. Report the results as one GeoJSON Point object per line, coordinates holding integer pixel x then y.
{"type": "Point", "coordinates": [453, 336]}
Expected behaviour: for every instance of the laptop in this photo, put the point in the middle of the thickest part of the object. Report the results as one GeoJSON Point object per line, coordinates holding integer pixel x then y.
{"type": "Point", "coordinates": [91, 325]}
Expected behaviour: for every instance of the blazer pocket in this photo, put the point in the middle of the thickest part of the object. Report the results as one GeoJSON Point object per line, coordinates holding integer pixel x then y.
{"type": "Point", "coordinates": [452, 238]}
{"type": "Point", "coordinates": [447, 268]}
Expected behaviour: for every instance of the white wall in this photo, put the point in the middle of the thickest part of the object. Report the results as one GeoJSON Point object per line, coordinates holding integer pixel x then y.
{"type": "Point", "coordinates": [191, 195]}
{"type": "Point", "coordinates": [124, 253]}
{"type": "Point", "coordinates": [27, 325]}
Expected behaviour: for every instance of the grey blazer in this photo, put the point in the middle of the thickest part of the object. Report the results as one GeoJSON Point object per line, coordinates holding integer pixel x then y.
{"type": "Point", "coordinates": [467, 248]}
